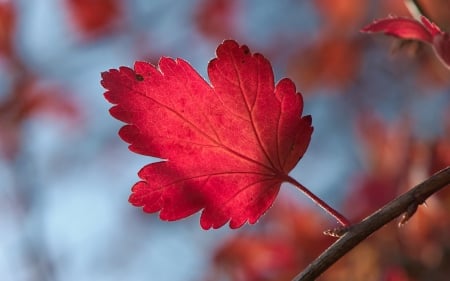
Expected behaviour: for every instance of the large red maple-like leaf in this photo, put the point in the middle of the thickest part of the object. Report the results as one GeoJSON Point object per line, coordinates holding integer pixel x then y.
{"type": "Point", "coordinates": [227, 147]}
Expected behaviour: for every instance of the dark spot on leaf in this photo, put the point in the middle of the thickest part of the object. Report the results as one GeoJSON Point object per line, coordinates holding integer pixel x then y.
{"type": "Point", "coordinates": [139, 77]}
{"type": "Point", "coordinates": [246, 50]}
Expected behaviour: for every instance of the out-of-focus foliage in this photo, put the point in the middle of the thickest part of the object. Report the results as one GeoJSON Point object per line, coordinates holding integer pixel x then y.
{"type": "Point", "coordinates": [217, 18]}
{"type": "Point", "coordinates": [27, 95]}
{"type": "Point", "coordinates": [94, 19]}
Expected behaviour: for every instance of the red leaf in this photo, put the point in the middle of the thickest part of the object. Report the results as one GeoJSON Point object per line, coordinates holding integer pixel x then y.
{"type": "Point", "coordinates": [228, 146]}
{"type": "Point", "coordinates": [341, 16]}
{"type": "Point", "coordinates": [27, 98]}
{"type": "Point", "coordinates": [331, 61]}
{"type": "Point", "coordinates": [8, 20]}
{"type": "Point", "coordinates": [217, 18]}
{"type": "Point", "coordinates": [404, 28]}
{"type": "Point", "coordinates": [94, 18]}
{"type": "Point", "coordinates": [411, 29]}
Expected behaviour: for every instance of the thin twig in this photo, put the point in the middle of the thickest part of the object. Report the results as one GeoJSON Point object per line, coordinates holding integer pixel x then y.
{"type": "Point", "coordinates": [415, 8]}
{"type": "Point", "coordinates": [369, 225]}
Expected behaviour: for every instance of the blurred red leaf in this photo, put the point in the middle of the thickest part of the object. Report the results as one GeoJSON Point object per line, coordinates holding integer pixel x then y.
{"type": "Point", "coordinates": [440, 156]}
{"type": "Point", "coordinates": [396, 273]}
{"type": "Point", "coordinates": [371, 192]}
{"type": "Point", "coordinates": [386, 149]}
{"type": "Point", "coordinates": [215, 18]}
{"type": "Point", "coordinates": [386, 144]}
{"type": "Point", "coordinates": [331, 61]}
{"type": "Point", "coordinates": [342, 15]}
{"type": "Point", "coordinates": [228, 146]}
{"type": "Point", "coordinates": [94, 18]}
{"type": "Point", "coordinates": [405, 28]}
{"type": "Point", "coordinates": [255, 257]}
{"type": "Point", "coordinates": [27, 99]}
{"type": "Point", "coordinates": [7, 27]}
{"type": "Point", "coordinates": [410, 29]}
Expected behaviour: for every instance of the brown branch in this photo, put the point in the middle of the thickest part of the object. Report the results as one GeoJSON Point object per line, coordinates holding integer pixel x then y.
{"type": "Point", "coordinates": [360, 231]}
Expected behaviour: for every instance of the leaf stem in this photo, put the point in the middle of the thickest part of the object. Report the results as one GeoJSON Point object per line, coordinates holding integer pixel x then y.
{"type": "Point", "coordinates": [322, 204]}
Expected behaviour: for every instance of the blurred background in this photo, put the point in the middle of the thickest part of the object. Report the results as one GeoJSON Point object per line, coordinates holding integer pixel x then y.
{"type": "Point", "coordinates": [380, 108]}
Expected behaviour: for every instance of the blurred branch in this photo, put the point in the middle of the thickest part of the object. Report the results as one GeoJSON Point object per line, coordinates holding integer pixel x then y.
{"type": "Point", "coordinates": [360, 231]}
{"type": "Point", "coordinates": [414, 8]}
